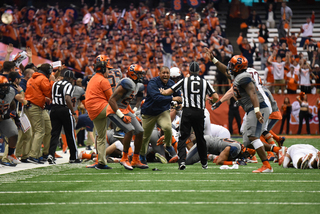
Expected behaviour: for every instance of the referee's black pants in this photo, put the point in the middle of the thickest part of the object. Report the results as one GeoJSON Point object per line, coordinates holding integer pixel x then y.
{"type": "Point", "coordinates": [192, 117]}
{"type": "Point", "coordinates": [61, 116]}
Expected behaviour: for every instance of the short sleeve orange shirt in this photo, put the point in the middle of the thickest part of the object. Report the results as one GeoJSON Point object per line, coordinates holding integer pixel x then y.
{"type": "Point", "coordinates": [96, 99]}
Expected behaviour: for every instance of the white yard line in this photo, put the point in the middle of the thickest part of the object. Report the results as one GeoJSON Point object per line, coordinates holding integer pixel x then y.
{"type": "Point", "coordinates": [163, 203]}
{"type": "Point", "coordinates": [122, 181]}
{"type": "Point", "coordinates": [156, 191]}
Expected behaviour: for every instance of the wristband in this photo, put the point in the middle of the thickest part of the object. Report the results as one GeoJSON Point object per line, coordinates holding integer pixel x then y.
{"type": "Point", "coordinates": [256, 109]}
{"type": "Point", "coordinates": [215, 60]}
{"type": "Point", "coordinates": [21, 91]}
{"type": "Point", "coordinates": [119, 113]}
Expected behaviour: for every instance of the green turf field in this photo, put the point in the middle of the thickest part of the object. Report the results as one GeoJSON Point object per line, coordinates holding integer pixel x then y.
{"type": "Point", "coordinates": [74, 189]}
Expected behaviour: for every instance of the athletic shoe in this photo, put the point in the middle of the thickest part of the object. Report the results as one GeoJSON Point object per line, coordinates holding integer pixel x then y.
{"type": "Point", "coordinates": [57, 156]}
{"type": "Point", "coordinates": [252, 160]}
{"type": "Point", "coordinates": [14, 159]}
{"type": "Point", "coordinates": [174, 159]}
{"type": "Point", "coordinates": [161, 158]}
{"type": "Point", "coordinates": [270, 156]}
{"type": "Point", "coordinates": [205, 166]}
{"type": "Point", "coordinates": [100, 166]}
{"type": "Point", "coordinates": [126, 164]}
{"type": "Point", "coordinates": [305, 161]}
{"type": "Point", "coordinates": [263, 169]}
{"type": "Point", "coordinates": [182, 166]}
{"type": "Point", "coordinates": [280, 143]}
{"type": "Point", "coordinates": [119, 134]}
{"type": "Point", "coordinates": [50, 159]}
{"type": "Point", "coordinates": [282, 153]}
{"type": "Point", "coordinates": [35, 160]}
{"type": "Point", "coordinates": [75, 161]}
{"type": "Point", "coordinates": [143, 159]}
{"type": "Point", "coordinates": [138, 164]}
{"type": "Point", "coordinates": [241, 162]}
{"type": "Point", "coordinates": [25, 160]}
{"type": "Point", "coordinates": [88, 148]}
{"type": "Point", "coordinates": [92, 165]}
{"type": "Point", "coordinates": [9, 163]}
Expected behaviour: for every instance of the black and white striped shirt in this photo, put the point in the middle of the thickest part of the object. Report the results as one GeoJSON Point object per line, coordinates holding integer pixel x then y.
{"type": "Point", "coordinates": [59, 91]}
{"type": "Point", "coordinates": [194, 90]}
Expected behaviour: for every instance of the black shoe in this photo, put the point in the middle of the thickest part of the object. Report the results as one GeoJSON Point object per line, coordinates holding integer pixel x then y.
{"type": "Point", "coordinates": [182, 166]}
{"type": "Point", "coordinates": [35, 160]}
{"type": "Point", "coordinates": [88, 148]}
{"type": "Point", "coordinates": [75, 161]}
{"type": "Point", "coordinates": [205, 166]}
{"type": "Point", "coordinates": [100, 166]}
{"type": "Point", "coordinates": [50, 159]}
{"type": "Point", "coordinates": [25, 160]}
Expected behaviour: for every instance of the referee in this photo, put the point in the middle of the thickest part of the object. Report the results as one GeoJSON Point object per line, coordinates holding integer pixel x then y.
{"type": "Point", "coordinates": [61, 115]}
{"type": "Point", "coordinates": [194, 90]}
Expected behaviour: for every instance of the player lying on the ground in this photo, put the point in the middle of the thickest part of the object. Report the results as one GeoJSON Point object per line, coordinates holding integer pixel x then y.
{"type": "Point", "coordinates": [300, 156]}
{"type": "Point", "coordinates": [224, 151]}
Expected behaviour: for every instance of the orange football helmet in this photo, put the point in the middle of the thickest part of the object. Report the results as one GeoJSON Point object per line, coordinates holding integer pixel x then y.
{"type": "Point", "coordinates": [4, 86]}
{"type": "Point", "coordinates": [103, 58]}
{"type": "Point", "coordinates": [135, 72]}
{"type": "Point", "coordinates": [237, 64]}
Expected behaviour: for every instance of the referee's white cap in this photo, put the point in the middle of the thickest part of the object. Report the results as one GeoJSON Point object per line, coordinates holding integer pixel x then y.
{"type": "Point", "coordinates": [194, 67]}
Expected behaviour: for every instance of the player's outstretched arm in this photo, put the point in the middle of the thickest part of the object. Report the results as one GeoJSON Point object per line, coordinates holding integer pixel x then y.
{"type": "Point", "coordinates": [221, 67]}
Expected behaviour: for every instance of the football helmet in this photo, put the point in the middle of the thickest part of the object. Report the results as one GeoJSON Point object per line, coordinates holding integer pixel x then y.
{"type": "Point", "coordinates": [175, 74]}
{"type": "Point", "coordinates": [237, 64]}
{"type": "Point", "coordinates": [100, 67]}
{"type": "Point", "coordinates": [135, 72]}
{"type": "Point", "coordinates": [103, 58]}
{"type": "Point", "coordinates": [4, 86]}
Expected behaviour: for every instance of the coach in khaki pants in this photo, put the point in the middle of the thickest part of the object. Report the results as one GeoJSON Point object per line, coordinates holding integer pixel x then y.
{"type": "Point", "coordinates": [38, 88]}
{"type": "Point", "coordinates": [156, 110]}
{"type": "Point", "coordinates": [98, 94]}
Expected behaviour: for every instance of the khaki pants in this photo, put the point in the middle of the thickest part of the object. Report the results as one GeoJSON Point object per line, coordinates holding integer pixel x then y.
{"type": "Point", "coordinates": [100, 124]}
{"type": "Point", "coordinates": [148, 123]}
{"type": "Point", "coordinates": [41, 130]}
{"type": "Point", "coordinates": [277, 87]}
{"type": "Point", "coordinates": [24, 144]}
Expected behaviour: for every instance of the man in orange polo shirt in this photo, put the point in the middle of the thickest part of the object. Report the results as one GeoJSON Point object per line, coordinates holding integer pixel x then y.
{"type": "Point", "coordinates": [97, 98]}
{"type": "Point", "coordinates": [38, 88]}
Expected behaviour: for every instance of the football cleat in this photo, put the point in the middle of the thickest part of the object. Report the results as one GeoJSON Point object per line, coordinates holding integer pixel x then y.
{"type": "Point", "coordinates": [205, 166]}
{"type": "Point", "coordinates": [138, 164]}
{"type": "Point", "coordinates": [263, 169]}
{"type": "Point", "coordinates": [126, 164]}
{"type": "Point", "coordinates": [14, 159]}
{"type": "Point", "coordinates": [57, 156]}
{"type": "Point", "coordinates": [161, 158]}
{"type": "Point", "coordinates": [253, 159]}
{"type": "Point", "coordinates": [305, 161]}
{"type": "Point", "coordinates": [174, 159]}
{"type": "Point", "coordinates": [270, 156]}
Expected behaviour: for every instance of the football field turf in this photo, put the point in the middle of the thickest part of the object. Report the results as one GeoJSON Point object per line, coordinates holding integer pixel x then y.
{"type": "Point", "coordinates": [73, 188]}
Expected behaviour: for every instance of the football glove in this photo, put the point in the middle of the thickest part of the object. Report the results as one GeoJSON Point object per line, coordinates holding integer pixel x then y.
{"type": "Point", "coordinates": [160, 141]}
{"type": "Point", "coordinates": [126, 119]}
{"type": "Point", "coordinates": [216, 105]}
